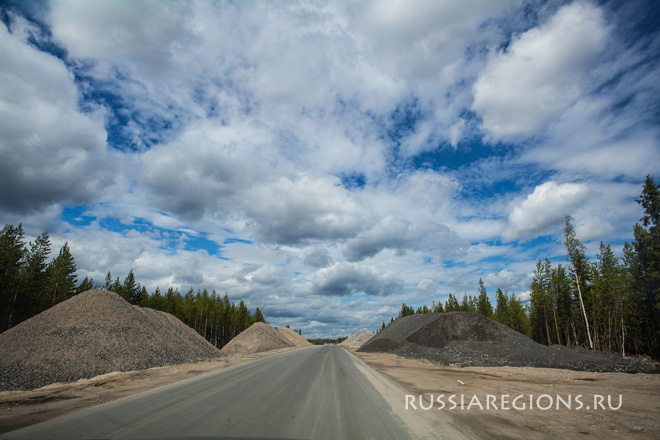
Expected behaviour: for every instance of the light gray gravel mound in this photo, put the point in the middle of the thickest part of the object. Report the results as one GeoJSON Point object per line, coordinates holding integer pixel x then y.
{"type": "Point", "coordinates": [255, 339]}
{"type": "Point", "coordinates": [357, 339]}
{"type": "Point", "coordinates": [95, 332]}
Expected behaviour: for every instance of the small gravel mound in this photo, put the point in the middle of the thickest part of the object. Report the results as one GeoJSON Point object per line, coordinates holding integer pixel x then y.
{"type": "Point", "coordinates": [470, 339]}
{"type": "Point", "coordinates": [95, 332]}
{"type": "Point", "coordinates": [357, 339]}
{"type": "Point", "coordinates": [256, 338]}
{"type": "Point", "coordinates": [294, 337]}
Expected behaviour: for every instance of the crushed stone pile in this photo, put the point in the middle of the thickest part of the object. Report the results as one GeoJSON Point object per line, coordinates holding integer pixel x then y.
{"type": "Point", "coordinates": [294, 337]}
{"type": "Point", "coordinates": [95, 332]}
{"type": "Point", "coordinates": [470, 339]}
{"type": "Point", "coordinates": [256, 338]}
{"type": "Point", "coordinates": [357, 339]}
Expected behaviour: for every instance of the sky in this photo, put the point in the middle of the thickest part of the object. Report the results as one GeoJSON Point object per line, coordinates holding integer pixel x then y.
{"type": "Point", "coordinates": [326, 161]}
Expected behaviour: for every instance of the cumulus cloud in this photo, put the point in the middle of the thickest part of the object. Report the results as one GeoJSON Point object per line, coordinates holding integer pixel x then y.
{"type": "Point", "coordinates": [545, 207]}
{"type": "Point", "coordinates": [505, 279]}
{"type": "Point", "coordinates": [293, 210]}
{"type": "Point", "coordinates": [199, 173]}
{"type": "Point", "coordinates": [541, 74]}
{"type": "Point", "coordinates": [400, 235]}
{"type": "Point", "coordinates": [50, 151]}
{"type": "Point", "coordinates": [148, 35]}
{"type": "Point", "coordinates": [319, 257]}
{"type": "Point", "coordinates": [427, 287]}
{"type": "Point", "coordinates": [347, 279]}
{"type": "Point", "coordinates": [290, 134]}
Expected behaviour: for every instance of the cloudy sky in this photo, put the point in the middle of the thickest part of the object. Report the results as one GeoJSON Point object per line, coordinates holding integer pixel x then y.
{"type": "Point", "coordinates": [327, 160]}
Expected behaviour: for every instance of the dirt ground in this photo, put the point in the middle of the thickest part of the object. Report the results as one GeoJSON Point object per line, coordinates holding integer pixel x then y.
{"type": "Point", "coordinates": [637, 417]}
{"type": "Point", "coordinates": [23, 408]}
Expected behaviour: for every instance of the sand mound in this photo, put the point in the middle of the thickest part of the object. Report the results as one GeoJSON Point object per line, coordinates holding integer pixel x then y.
{"type": "Point", "coordinates": [470, 339]}
{"type": "Point", "coordinates": [294, 337]}
{"type": "Point", "coordinates": [94, 333]}
{"type": "Point", "coordinates": [256, 338]}
{"type": "Point", "coordinates": [357, 339]}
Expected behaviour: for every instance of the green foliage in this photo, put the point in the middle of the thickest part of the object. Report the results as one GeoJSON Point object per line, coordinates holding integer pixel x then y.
{"type": "Point", "coordinates": [406, 311]}
{"type": "Point", "coordinates": [483, 303]}
{"type": "Point", "coordinates": [614, 304]}
{"type": "Point", "coordinates": [258, 316]}
{"type": "Point", "coordinates": [31, 285]}
{"type": "Point", "coordinates": [324, 341]}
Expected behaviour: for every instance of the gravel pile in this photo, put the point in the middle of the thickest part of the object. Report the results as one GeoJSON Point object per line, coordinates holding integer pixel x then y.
{"type": "Point", "coordinates": [470, 339]}
{"type": "Point", "coordinates": [294, 337]}
{"type": "Point", "coordinates": [357, 339]}
{"type": "Point", "coordinates": [94, 333]}
{"type": "Point", "coordinates": [256, 338]}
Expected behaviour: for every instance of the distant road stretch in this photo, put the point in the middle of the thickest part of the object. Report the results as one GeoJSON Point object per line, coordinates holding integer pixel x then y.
{"type": "Point", "coordinates": [318, 392]}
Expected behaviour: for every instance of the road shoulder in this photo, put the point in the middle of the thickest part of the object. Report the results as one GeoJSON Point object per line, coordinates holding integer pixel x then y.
{"type": "Point", "coordinates": [636, 418]}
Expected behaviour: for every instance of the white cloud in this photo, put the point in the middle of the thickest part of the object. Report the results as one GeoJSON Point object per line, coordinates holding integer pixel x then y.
{"type": "Point", "coordinates": [292, 210]}
{"type": "Point", "coordinates": [427, 287]}
{"type": "Point", "coordinates": [544, 208]}
{"type": "Point", "coordinates": [245, 116]}
{"type": "Point", "coordinates": [505, 279]}
{"type": "Point", "coordinates": [590, 141]}
{"type": "Point", "coordinates": [541, 74]}
{"type": "Point", "coordinates": [148, 35]}
{"type": "Point", "coordinates": [400, 235]}
{"type": "Point", "coordinates": [319, 257]}
{"type": "Point", "coordinates": [50, 151]}
{"type": "Point", "coordinates": [347, 279]}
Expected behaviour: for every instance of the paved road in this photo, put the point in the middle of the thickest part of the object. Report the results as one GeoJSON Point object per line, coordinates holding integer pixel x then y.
{"type": "Point", "coordinates": [314, 392]}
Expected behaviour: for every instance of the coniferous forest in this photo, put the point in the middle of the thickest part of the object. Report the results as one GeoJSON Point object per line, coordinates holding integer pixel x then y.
{"type": "Point", "coordinates": [606, 303]}
{"type": "Point", "coordinates": [32, 284]}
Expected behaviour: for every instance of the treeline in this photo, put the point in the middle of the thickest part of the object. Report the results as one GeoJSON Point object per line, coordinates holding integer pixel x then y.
{"type": "Point", "coordinates": [214, 317]}
{"type": "Point", "coordinates": [509, 310]}
{"type": "Point", "coordinates": [324, 341]}
{"type": "Point", "coordinates": [608, 304]}
{"type": "Point", "coordinates": [31, 284]}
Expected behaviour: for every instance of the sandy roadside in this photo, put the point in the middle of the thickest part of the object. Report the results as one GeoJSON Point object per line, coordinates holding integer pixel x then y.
{"type": "Point", "coordinates": [23, 408]}
{"type": "Point", "coordinates": [637, 417]}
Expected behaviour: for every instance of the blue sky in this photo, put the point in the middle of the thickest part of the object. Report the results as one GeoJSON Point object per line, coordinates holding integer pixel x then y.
{"type": "Point", "coordinates": [329, 160]}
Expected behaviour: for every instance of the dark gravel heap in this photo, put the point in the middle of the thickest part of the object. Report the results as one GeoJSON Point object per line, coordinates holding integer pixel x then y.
{"type": "Point", "coordinates": [470, 339]}
{"type": "Point", "coordinates": [94, 333]}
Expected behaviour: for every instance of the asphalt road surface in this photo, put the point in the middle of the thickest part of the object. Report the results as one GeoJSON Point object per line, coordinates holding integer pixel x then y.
{"type": "Point", "coordinates": [312, 393]}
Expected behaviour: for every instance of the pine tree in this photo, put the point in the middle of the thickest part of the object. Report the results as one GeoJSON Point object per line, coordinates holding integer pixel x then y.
{"type": "Point", "coordinates": [62, 276]}
{"type": "Point", "coordinates": [406, 310]}
{"type": "Point", "coordinates": [502, 308]}
{"type": "Point", "coordinates": [258, 316]}
{"type": "Point", "coordinates": [85, 285]}
{"type": "Point", "coordinates": [12, 251]}
{"type": "Point", "coordinates": [580, 269]}
{"type": "Point", "coordinates": [540, 304]}
{"type": "Point", "coordinates": [642, 259]}
{"type": "Point", "coordinates": [131, 289]}
{"type": "Point", "coordinates": [519, 318]}
{"type": "Point", "coordinates": [108, 282]}
{"type": "Point", "coordinates": [33, 299]}
{"type": "Point", "coordinates": [484, 306]}
{"type": "Point", "coordinates": [451, 305]}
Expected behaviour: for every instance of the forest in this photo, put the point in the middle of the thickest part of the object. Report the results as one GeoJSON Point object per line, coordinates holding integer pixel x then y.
{"type": "Point", "coordinates": [606, 304]}
{"type": "Point", "coordinates": [32, 284]}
